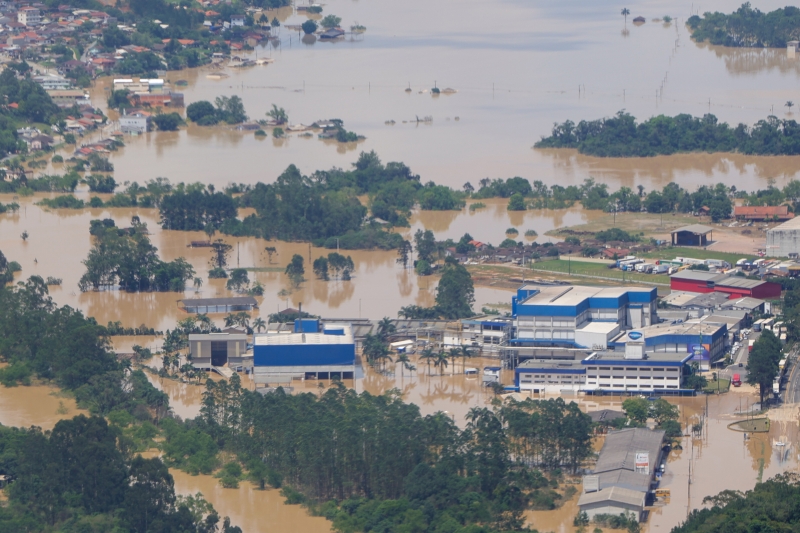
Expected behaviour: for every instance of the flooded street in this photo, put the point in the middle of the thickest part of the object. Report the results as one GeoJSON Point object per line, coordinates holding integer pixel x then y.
{"type": "Point", "coordinates": [550, 62]}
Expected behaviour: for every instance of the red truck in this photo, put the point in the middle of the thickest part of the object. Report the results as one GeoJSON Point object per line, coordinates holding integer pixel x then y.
{"type": "Point", "coordinates": [736, 381]}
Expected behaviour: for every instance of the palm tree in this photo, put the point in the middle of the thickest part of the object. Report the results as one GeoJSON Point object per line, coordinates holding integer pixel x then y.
{"type": "Point", "coordinates": [198, 282]}
{"type": "Point", "coordinates": [440, 361]}
{"type": "Point", "coordinates": [385, 328]}
{"type": "Point", "coordinates": [428, 355]}
{"type": "Point", "coordinates": [230, 320]}
{"type": "Point", "coordinates": [383, 356]}
{"type": "Point", "coordinates": [625, 13]}
{"type": "Point", "coordinates": [790, 105]}
{"type": "Point", "coordinates": [465, 353]}
{"type": "Point", "coordinates": [454, 354]}
{"type": "Point", "coordinates": [259, 324]}
{"type": "Point", "coordinates": [403, 359]}
{"type": "Point", "coordinates": [641, 190]}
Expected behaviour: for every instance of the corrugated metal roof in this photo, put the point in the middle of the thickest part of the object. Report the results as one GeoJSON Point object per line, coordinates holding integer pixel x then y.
{"type": "Point", "coordinates": [697, 275]}
{"type": "Point", "coordinates": [697, 229]}
{"type": "Point", "coordinates": [619, 449]}
{"type": "Point", "coordinates": [613, 494]}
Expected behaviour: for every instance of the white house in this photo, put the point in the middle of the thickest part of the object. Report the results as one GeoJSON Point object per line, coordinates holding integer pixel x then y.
{"type": "Point", "coordinates": [237, 20]}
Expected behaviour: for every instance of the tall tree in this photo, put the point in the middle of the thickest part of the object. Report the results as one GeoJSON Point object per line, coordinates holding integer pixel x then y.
{"type": "Point", "coordinates": [455, 293]}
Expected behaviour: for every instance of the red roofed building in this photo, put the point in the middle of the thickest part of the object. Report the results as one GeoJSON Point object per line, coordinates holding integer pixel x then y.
{"type": "Point", "coordinates": [762, 212]}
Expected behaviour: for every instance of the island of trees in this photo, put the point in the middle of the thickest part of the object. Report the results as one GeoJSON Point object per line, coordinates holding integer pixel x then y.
{"type": "Point", "coordinates": [748, 27]}
{"type": "Point", "coordinates": [622, 136]}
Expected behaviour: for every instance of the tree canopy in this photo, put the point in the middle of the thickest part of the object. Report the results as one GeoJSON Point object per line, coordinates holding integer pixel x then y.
{"type": "Point", "coordinates": [622, 136]}
{"type": "Point", "coordinates": [747, 27]}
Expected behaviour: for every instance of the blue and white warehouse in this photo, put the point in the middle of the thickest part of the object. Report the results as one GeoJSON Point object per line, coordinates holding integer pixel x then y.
{"type": "Point", "coordinates": [312, 350]}
{"type": "Point", "coordinates": [579, 316]}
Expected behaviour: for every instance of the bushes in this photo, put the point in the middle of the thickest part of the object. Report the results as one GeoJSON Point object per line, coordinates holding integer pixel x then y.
{"type": "Point", "coordinates": [190, 450]}
{"type": "Point", "coordinates": [615, 234]}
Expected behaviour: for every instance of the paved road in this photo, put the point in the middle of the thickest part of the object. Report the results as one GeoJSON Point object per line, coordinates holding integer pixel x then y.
{"type": "Point", "coordinates": [792, 394]}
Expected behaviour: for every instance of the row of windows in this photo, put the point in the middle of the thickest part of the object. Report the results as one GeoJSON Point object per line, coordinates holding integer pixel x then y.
{"type": "Point", "coordinates": [618, 368]}
{"type": "Point", "coordinates": [641, 386]}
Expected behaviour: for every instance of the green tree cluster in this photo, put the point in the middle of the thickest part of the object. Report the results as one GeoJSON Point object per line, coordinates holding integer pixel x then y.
{"type": "Point", "coordinates": [80, 477]}
{"type": "Point", "coordinates": [229, 109]}
{"type": "Point", "coordinates": [373, 462]}
{"type": "Point", "coordinates": [622, 136]}
{"type": "Point", "coordinates": [195, 208]}
{"type": "Point", "coordinates": [127, 259]}
{"type": "Point", "coordinates": [335, 264]}
{"type": "Point", "coordinates": [762, 364]}
{"type": "Point", "coordinates": [747, 27]}
{"type": "Point", "coordinates": [770, 506]}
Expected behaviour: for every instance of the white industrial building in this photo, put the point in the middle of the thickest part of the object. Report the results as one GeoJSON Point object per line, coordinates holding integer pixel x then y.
{"type": "Point", "coordinates": [784, 240]}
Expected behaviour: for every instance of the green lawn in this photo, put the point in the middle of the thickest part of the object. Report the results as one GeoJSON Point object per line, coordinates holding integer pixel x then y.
{"type": "Point", "coordinates": [596, 269]}
{"type": "Point", "coordinates": [723, 385]}
{"type": "Point", "coordinates": [697, 253]}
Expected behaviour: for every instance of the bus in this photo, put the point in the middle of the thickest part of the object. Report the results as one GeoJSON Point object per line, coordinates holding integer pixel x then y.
{"type": "Point", "coordinates": [782, 367]}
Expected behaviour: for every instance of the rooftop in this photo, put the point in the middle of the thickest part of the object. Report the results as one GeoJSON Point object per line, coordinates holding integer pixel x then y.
{"type": "Point", "coordinates": [789, 225]}
{"type": "Point", "coordinates": [576, 363]}
{"type": "Point", "coordinates": [574, 294]}
{"type": "Point", "coordinates": [620, 449]}
{"type": "Point", "coordinates": [615, 494]}
{"type": "Point", "coordinates": [278, 339]}
{"type": "Point", "coordinates": [697, 229]}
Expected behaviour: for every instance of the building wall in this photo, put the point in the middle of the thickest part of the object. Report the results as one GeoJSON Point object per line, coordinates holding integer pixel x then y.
{"type": "Point", "coordinates": [782, 242]}
{"type": "Point", "coordinates": [308, 355]}
{"type": "Point", "coordinates": [543, 380]}
{"type": "Point", "coordinates": [613, 508]}
{"type": "Point", "coordinates": [620, 376]}
{"type": "Point", "coordinates": [133, 124]}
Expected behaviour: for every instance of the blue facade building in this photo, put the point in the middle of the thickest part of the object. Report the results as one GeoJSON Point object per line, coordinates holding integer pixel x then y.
{"type": "Point", "coordinates": [312, 350]}
{"type": "Point", "coordinates": [579, 316]}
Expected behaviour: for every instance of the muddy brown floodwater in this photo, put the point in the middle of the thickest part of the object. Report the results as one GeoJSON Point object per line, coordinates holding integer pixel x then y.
{"type": "Point", "coordinates": [570, 51]}
{"type": "Point", "coordinates": [255, 511]}
{"type": "Point", "coordinates": [59, 241]}
{"type": "Point", "coordinates": [37, 405]}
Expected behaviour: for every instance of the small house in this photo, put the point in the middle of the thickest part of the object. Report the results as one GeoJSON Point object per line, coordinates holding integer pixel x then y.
{"type": "Point", "coordinates": [237, 20]}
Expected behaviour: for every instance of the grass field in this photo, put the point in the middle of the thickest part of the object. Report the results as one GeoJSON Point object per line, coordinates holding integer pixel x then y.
{"type": "Point", "coordinates": [722, 385]}
{"type": "Point", "coordinates": [599, 270]}
{"type": "Point", "coordinates": [697, 253]}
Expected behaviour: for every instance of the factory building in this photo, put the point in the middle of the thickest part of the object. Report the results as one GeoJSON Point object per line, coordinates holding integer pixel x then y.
{"type": "Point", "coordinates": [217, 349]}
{"type": "Point", "coordinates": [311, 351]}
{"type": "Point", "coordinates": [626, 471]}
{"type": "Point", "coordinates": [784, 240]}
{"type": "Point", "coordinates": [734, 286]}
{"type": "Point", "coordinates": [579, 316]}
{"type": "Point", "coordinates": [648, 360]}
